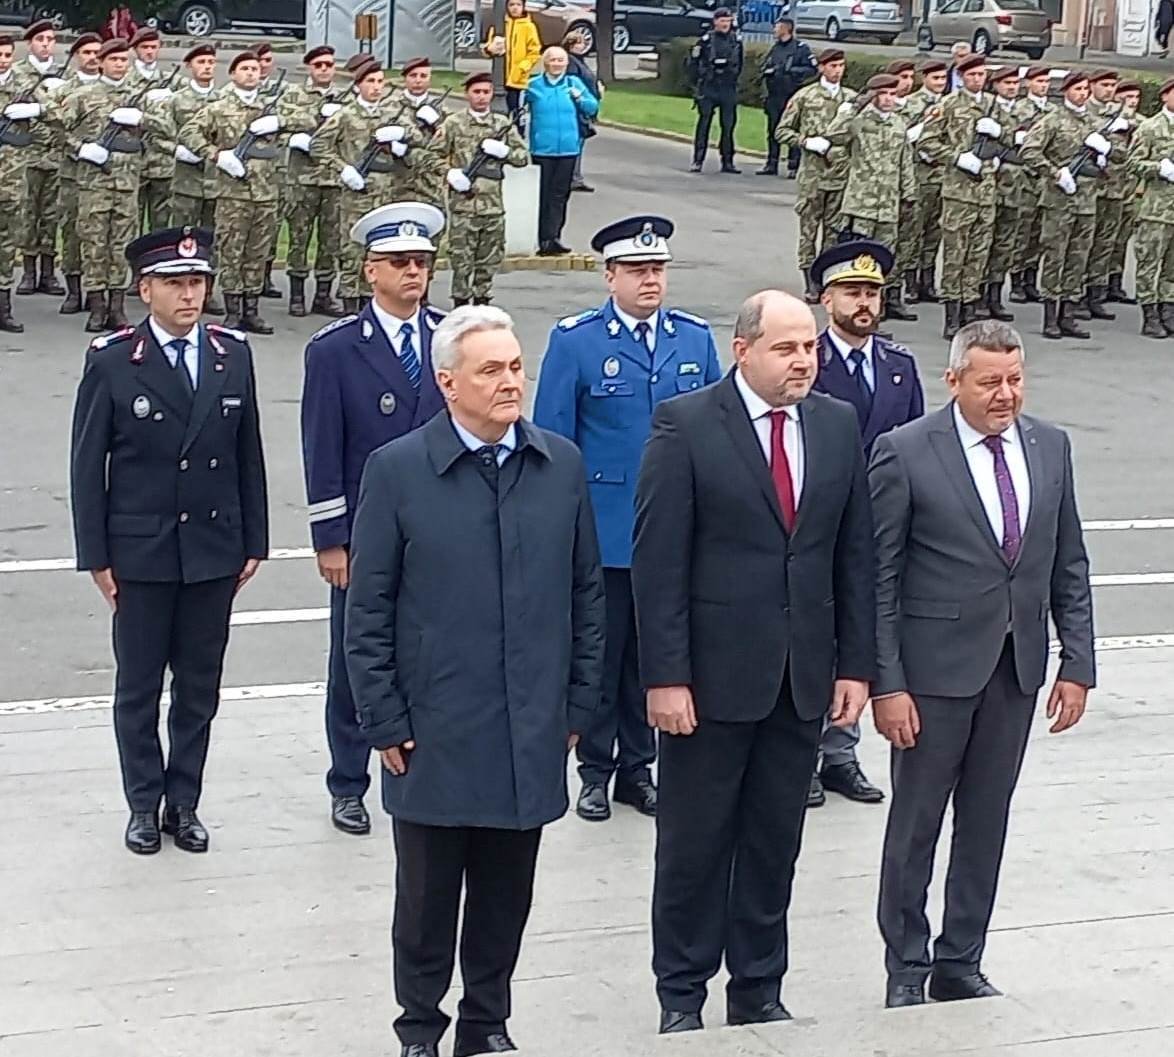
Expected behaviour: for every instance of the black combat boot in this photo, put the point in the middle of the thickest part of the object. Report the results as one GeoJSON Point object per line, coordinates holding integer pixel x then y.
{"type": "Point", "coordinates": [7, 323]}
{"type": "Point", "coordinates": [1068, 320]}
{"type": "Point", "coordinates": [251, 318]}
{"type": "Point", "coordinates": [811, 289]}
{"type": "Point", "coordinates": [212, 304]}
{"type": "Point", "coordinates": [1166, 315]}
{"type": "Point", "coordinates": [977, 309]}
{"type": "Point", "coordinates": [771, 168]}
{"type": "Point", "coordinates": [482, 300]}
{"type": "Point", "coordinates": [1080, 309]}
{"type": "Point", "coordinates": [350, 306]}
{"type": "Point", "coordinates": [953, 311]}
{"type": "Point", "coordinates": [72, 304]}
{"type": "Point", "coordinates": [297, 295]}
{"type": "Point", "coordinates": [96, 305]}
{"type": "Point", "coordinates": [994, 303]}
{"type": "Point", "coordinates": [1117, 292]}
{"type": "Point", "coordinates": [1029, 285]}
{"type": "Point", "coordinates": [912, 287]}
{"type": "Point", "coordinates": [1052, 320]}
{"type": "Point", "coordinates": [232, 311]}
{"type": "Point", "coordinates": [1151, 323]}
{"type": "Point", "coordinates": [926, 286]}
{"type": "Point", "coordinates": [28, 277]}
{"type": "Point", "coordinates": [116, 311]}
{"type": "Point", "coordinates": [269, 290]}
{"type": "Point", "coordinates": [1018, 295]}
{"type": "Point", "coordinates": [460, 302]}
{"type": "Point", "coordinates": [324, 304]}
{"type": "Point", "coordinates": [48, 283]}
{"type": "Point", "coordinates": [966, 313]}
{"type": "Point", "coordinates": [1097, 296]}
{"type": "Point", "coordinates": [895, 306]}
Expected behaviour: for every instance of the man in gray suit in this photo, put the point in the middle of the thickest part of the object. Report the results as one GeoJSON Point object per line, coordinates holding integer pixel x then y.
{"type": "Point", "coordinates": [977, 540]}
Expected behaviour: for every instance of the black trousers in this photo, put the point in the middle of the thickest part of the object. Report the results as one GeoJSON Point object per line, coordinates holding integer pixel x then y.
{"type": "Point", "coordinates": [774, 107]}
{"type": "Point", "coordinates": [971, 749]}
{"type": "Point", "coordinates": [621, 721]}
{"type": "Point", "coordinates": [496, 867]}
{"type": "Point", "coordinates": [725, 102]}
{"type": "Point", "coordinates": [349, 749]}
{"type": "Point", "coordinates": [157, 625]}
{"type": "Point", "coordinates": [554, 188]}
{"type": "Point", "coordinates": [728, 828]}
{"type": "Point", "coordinates": [513, 103]}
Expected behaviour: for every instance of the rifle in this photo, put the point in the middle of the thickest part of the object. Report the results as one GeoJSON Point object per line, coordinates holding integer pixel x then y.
{"type": "Point", "coordinates": [1086, 153]}
{"type": "Point", "coordinates": [982, 146]}
{"type": "Point", "coordinates": [10, 135]}
{"type": "Point", "coordinates": [248, 146]}
{"type": "Point", "coordinates": [119, 139]}
{"type": "Point", "coordinates": [431, 129]}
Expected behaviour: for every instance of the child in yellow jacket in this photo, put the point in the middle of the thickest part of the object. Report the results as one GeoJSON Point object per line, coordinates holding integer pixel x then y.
{"type": "Point", "coordinates": [522, 49]}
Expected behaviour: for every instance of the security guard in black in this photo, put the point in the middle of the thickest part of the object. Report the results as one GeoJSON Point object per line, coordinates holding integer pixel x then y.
{"type": "Point", "coordinates": [786, 68]}
{"type": "Point", "coordinates": [715, 64]}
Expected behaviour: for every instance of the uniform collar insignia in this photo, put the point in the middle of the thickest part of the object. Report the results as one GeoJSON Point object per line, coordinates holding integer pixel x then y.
{"type": "Point", "coordinates": [613, 327]}
{"type": "Point", "coordinates": [669, 326]}
{"type": "Point", "coordinates": [367, 329]}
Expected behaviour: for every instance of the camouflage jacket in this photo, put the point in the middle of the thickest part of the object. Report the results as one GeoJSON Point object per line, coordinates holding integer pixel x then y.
{"type": "Point", "coordinates": [809, 113]}
{"type": "Point", "coordinates": [72, 80]}
{"type": "Point", "coordinates": [428, 184]}
{"type": "Point", "coordinates": [48, 138]}
{"type": "Point", "coordinates": [880, 164]}
{"type": "Point", "coordinates": [1055, 141]}
{"type": "Point", "coordinates": [158, 160]}
{"type": "Point", "coordinates": [1016, 187]}
{"type": "Point", "coordinates": [1152, 143]}
{"type": "Point", "coordinates": [951, 134]}
{"type": "Point", "coordinates": [306, 108]}
{"type": "Point", "coordinates": [1116, 182]}
{"type": "Point", "coordinates": [345, 137]}
{"type": "Point", "coordinates": [178, 111]}
{"type": "Point", "coordinates": [221, 125]}
{"type": "Point", "coordinates": [13, 160]}
{"type": "Point", "coordinates": [85, 116]}
{"type": "Point", "coordinates": [460, 138]}
{"type": "Point", "coordinates": [920, 110]}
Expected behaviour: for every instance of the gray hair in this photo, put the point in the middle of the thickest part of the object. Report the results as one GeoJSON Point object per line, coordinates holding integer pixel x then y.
{"type": "Point", "coordinates": [459, 324]}
{"type": "Point", "coordinates": [748, 324]}
{"type": "Point", "coordinates": [983, 334]}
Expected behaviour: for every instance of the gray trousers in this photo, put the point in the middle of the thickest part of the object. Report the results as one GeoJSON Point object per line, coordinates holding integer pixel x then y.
{"type": "Point", "coordinates": [838, 744]}
{"type": "Point", "coordinates": [970, 749]}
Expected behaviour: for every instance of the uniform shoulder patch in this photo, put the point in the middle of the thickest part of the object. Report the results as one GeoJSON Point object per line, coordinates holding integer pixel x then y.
{"type": "Point", "coordinates": [570, 322]}
{"type": "Point", "coordinates": [220, 328]}
{"type": "Point", "coordinates": [688, 317]}
{"type": "Point", "coordinates": [104, 340]}
{"type": "Point", "coordinates": [331, 327]}
{"type": "Point", "coordinates": [434, 316]}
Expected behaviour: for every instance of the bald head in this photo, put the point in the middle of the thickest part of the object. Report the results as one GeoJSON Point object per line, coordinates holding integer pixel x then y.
{"type": "Point", "coordinates": [775, 339]}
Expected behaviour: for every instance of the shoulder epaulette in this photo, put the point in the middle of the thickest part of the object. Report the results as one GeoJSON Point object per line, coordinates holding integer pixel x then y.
{"type": "Point", "coordinates": [220, 328]}
{"type": "Point", "coordinates": [433, 316]}
{"type": "Point", "coordinates": [331, 327]}
{"type": "Point", "coordinates": [570, 322]}
{"type": "Point", "coordinates": [688, 317]}
{"type": "Point", "coordinates": [103, 340]}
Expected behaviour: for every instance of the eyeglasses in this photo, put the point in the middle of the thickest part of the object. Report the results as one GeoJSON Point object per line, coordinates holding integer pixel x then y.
{"type": "Point", "coordinates": [322, 64]}
{"type": "Point", "coordinates": [402, 260]}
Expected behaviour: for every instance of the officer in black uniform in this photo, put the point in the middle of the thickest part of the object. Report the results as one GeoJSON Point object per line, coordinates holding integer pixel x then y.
{"type": "Point", "coordinates": [786, 68]}
{"type": "Point", "coordinates": [170, 519]}
{"type": "Point", "coordinates": [714, 65]}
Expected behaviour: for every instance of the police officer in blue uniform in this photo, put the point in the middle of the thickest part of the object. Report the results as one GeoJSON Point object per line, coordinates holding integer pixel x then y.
{"type": "Point", "coordinates": [879, 379]}
{"type": "Point", "coordinates": [603, 373]}
{"type": "Point", "coordinates": [368, 379]}
{"type": "Point", "coordinates": [170, 519]}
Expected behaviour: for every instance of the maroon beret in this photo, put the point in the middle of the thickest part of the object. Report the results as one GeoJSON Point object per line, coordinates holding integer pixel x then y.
{"type": "Point", "coordinates": [480, 77]}
{"type": "Point", "coordinates": [82, 41]}
{"type": "Point", "coordinates": [971, 62]}
{"type": "Point", "coordinates": [934, 66]}
{"type": "Point", "coordinates": [242, 56]}
{"type": "Point", "coordinates": [415, 64]}
{"type": "Point", "coordinates": [200, 50]}
{"type": "Point", "coordinates": [1074, 77]}
{"type": "Point", "coordinates": [901, 66]}
{"type": "Point", "coordinates": [317, 53]}
{"type": "Point", "coordinates": [42, 25]}
{"type": "Point", "coordinates": [146, 35]}
{"type": "Point", "coordinates": [114, 46]}
{"type": "Point", "coordinates": [830, 55]}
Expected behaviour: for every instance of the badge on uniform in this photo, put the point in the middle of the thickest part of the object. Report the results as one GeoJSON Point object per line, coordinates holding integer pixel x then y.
{"type": "Point", "coordinates": [229, 403]}
{"type": "Point", "coordinates": [387, 403]}
{"type": "Point", "coordinates": [689, 368]}
{"type": "Point", "coordinates": [896, 379]}
{"type": "Point", "coordinates": [136, 357]}
{"type": "Point", "coordinates": [613, 327]}
{"type": "Point", "coordinates": [367, 329]}
{"type": "Point", "coordinates": [611, 367]}
{"type": "Point", "coordinates": [669, 326]}
{"type": "Point", "coordinates": [158, 416]}
{"type": "Point", "coordinates": [141, 407]}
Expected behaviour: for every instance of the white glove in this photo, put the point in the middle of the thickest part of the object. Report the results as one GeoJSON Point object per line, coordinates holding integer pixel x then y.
{"type": "Point", "coordinates": [231, 164]}
{"type": "Point", "coordinates": [94, 153]}
{"type": "Point", "coordinates": [988, 126]}
{"type": "Point", "coordinates": [389, 133]}
{"type": "Point", "coordinates": [495, 148]}
{"type": "Point", "coordinates": [265, 126]}
{"type": "Point", "coordinates": [22, 111]}
{"type": "Point", "coordinates": [157, 95]}
{"type": "Point", "coordinates": [186, 156]}
{"type": "Point", "coordinates": [428, 115]}
{"type": "Point", "coordinates": [995, 163]}
{"type": "Point", "coordinates": [1066, 181]}
{"type": "Point", "coordinates": [130, 116]}
{"type": "Point", "coordinates": [399, 148]}
{"type": "Point", "coordinates": [1120, 124]}
{"type": "Point", "coordinates": [913, 133]}
{"type": "Point", "coordinates": [458, 181]}
{"type": "Point", "coordinates": [969, 162]}
{"type": "Point", "coordinates": [1020, 137]}
{"type": "Point", "coordinates": [352, 178]}
{"type": "Point", "coordinates": [1095, 141]}
{"type": "Point", "coordinates": [51, 84]}
{"type": "Point", "coordinates": [817, 145]}
{"type": "Point", "coordinates": [1102, 162]}
{"type": "Point", "coordinates": [300, 141]}
{"type": "Point", "coordinates": [330, 109]}
{"type": "Point", "coordinates": [1166, 169]}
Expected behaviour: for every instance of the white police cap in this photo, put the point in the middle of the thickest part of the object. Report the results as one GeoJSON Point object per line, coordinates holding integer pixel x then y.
{"type": "Point", "coordinates": [635, 239]}
{"type": "Point", "coordinates": [399, 228]}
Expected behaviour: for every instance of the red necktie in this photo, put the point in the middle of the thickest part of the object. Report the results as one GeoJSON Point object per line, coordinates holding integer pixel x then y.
{"type": "Point", "coordinates": [780, 469]}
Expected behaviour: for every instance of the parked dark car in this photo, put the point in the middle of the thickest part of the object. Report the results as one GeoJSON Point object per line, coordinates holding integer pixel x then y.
{"type": "Point", "coordinates": [644, 22]}
{"type": "Point", "coordinates": [18, 14]}
{"type": "Point", "coordinates": [198, 18]}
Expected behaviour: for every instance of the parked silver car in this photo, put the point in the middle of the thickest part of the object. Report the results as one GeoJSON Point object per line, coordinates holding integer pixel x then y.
{"type": "Point", "coordinates": [837, 19]}
{"type": "Point", "coordinates": [989, 25]}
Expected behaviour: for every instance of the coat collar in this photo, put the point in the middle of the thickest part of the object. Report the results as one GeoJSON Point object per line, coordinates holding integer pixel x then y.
{"type": "Point", "coordinates": [445, 447]}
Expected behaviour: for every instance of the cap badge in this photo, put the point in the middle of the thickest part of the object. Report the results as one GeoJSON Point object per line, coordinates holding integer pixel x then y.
{"type": "Point", "coordinates": [187, 247]}
{"type": "Point", "coordinates": [647, 236]}
{"type": "Point", "coordinates": [387, 403]}
{"type": "Point", "coordinates": [141, 407]}
{"type": "Point", "coordinates": [611, 367]}
{"type": "Point", "coordinates": [408, 230]}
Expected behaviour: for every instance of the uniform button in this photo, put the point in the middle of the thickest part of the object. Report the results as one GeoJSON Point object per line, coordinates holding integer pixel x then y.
{"type": "Point", "coordinates": [599, 477]}
{"type": "Point", "coordinates": [183, 517]}
{"type": "Point", "coordinates": [212, 515]}
{"type": "Point", "coordinates": [655, 378]}
{"type": "Point", "coordinates": [213, 463]}
{"type": "Point", "coordinates": [183, 464]}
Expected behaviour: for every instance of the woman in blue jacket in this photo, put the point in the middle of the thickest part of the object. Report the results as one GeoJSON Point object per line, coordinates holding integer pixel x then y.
{"type": "Point", "coordinates": [557, 103]}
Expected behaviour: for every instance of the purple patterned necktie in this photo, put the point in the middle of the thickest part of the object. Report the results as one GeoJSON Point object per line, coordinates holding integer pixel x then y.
{"type": "Point", "coordinates": [1007, 499]}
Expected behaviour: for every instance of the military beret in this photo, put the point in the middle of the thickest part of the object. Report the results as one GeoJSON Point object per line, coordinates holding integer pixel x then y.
{"type": "Point", "coordinates": [114, 46]}
{"type": "Point", "coordinates": [723, 12]}
{"type": "Point", "coordinates": [1074, 77]}
{"type": "Point", "coordinates": [480, 77]}
{"type": "Point", "coordinates": [1003, 73]}
{"type": "Point", "coordinates": [320, 52]}
{"type": "Point", "coordinates": [971, 62]}
{"type": "Point", "coordinates": [934, 66]}
{"type": "Point", "coordinates": [830, 55]}
{"type": "Point", "coordinates": [262, 49]}
{"type": "Point", "coordinates": [42, 25]}
{"type": "Point", "coordinates": [901, 66]}
{"type": "Point", "coordinates": [242, 56]}
{"type": "Point", "coordinates": [879, 82]}
{"type": "Point", "coordinates": [1166, 86]}
{"type": "Point", "coordinates": [1103, 75]}
{"type": "Point", "coordinates": [81, 42]}
{"type": "Point", "coordinates": [364, 69]}
{"type": "Point", "coordinates": [416, 63]}
{"type": "Point", "coordinates": [1032, 72]}
{"type": "Point", "coordinates": [8, 40]}
{"type": "Point", "coordinates": [199, 50]}
{"type": "Point", "coordinates": [1127, 86]}
{"type": "Point", "coordinates": [355, 61]}
{"type": "Point", "coordinates": [146, 35]}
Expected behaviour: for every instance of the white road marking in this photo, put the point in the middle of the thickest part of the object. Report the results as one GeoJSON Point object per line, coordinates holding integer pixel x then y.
{"type": "Point", "coordinates": [278, 616]}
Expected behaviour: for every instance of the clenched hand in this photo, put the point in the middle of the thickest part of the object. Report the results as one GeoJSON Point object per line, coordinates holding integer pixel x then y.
{"type": "Point", "coordinates": [896, 719]}
{"type": "Point", "coordinates": [334, 566]}
{"type": "Point", "coordinates": [671, 711]}
{"type": "Point", "coordinates": [849, 696]}
{"type": "Point", "coordinates": [395, 758]}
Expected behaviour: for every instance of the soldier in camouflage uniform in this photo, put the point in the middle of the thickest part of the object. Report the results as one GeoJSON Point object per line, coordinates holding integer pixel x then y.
{"type": "Point", "coordinates": [1129, 95]}
{"type": "Point", "coordinates": [478, 139]}
{"type": "Point", "coordinates": [41, 70]}
{"type": "Point", "coordinates": [880, 174]}
{"type": "Point", "coordinates": [107, 181]}
{"type": "Point", "coordinates": [926, 237]}
{"type": "Point", "coordinates": [247, 202]}
{"type": "Point", "coordinates": [1012, 183]}
{"type": "Point", "coordinates": [374, 133]}
{"type": "Point", "coordinates": [823, 171]}
{"type": "Point", "coordinates": [1151, 159]}
{"type": "Point", "coordinates": [313, 185]}
{"type": "Point", "coordinates": [18, 119]}
{"type": "Point", "coordinates": [907, 250]}
{"type": "Point", "coordinates": [268, 87]}
{"type": "Point", "coordinates": [1025, 270]}
{"type": "Point", "coordinates": [964, 126]}
{"type": "Point", "coordinates": [158, 162]}
{"type": "Point", "coordinates": [431, 112]}
{"type": "Point", "coordinates": [1114, 185]}
{"type": "Point", "coordinates": [1065, 151]}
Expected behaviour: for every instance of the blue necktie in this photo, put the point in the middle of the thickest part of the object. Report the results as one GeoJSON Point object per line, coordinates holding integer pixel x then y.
{"type": "Point", "coordinates": [857, 358]}
{"type": "Point", "coordinates": [407, 355]}
{"type": "Point", "coordinates": [180, 346]}
{"type": "Point", "coordinates": [642, 332]}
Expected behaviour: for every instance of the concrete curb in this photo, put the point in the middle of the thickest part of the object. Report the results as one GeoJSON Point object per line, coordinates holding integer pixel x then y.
{"type": "Point", "coordinates": [659, 133]}
{"type": "Point", "coordinates": [523, 262]}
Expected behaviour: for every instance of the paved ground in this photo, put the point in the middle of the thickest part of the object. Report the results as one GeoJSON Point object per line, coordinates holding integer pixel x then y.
{"type": "Point", "coordinates": [276, 942]}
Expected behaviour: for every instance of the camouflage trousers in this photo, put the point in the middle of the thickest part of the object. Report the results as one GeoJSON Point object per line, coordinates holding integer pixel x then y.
{"type": "Point", "coordinates": [40, 212]}
{"type": "Point", "coordinates": [881, 232]}
{"type": "Point", "coordinates": [928, 235]}
{"type": "Point", "coordinates": [476, 248]}
{"type": "Point", "coordinates": [1110, 213]}
{"type": "Point", "coordinates": [154, 204]}
{"type": "Point", "coordinates": [1065, 243]}
{"type": "Point", "coordinates": [1006, 241]}
{"type": "Point", "coordinates": [283, 206]}
{"type": "Point", "coordinates": [907, 251]}
{"type": "Point", "coordinates": [310, 206]}
{"type": "Point", "coordinates": [351, 206]}
{"type": "Point", "coordinates": [107, 222]}
{"type": "Point", "coordinates": [967, 228]}
{"type": "Point", "coordinates": [1029, 247]}
{"type": "Point", "coordinates": [189, 211]}
{"type": "Point", "coordinates": [1153, 245]}
{"type": "Point", "coordinates": [244, 233]}
{"type": "Point", "coordinates": [1122, 236]}
{"type": "Point", "coordinates": [819, 223]}
{"type": "Point", "coordinates": [71, 244]}
{"type": "Point", "coordinates": [10, 232]}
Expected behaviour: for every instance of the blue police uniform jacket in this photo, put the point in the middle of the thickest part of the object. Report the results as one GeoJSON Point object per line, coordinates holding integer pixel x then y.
{"type": "Point", "coordinates": [598, 386]}
{"type": "Point", "coordinates": [897, 395]}
{"type": "Point", "coordinates": [356, 397]}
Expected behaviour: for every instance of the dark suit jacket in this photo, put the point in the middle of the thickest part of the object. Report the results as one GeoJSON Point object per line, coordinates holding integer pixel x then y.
{"type": "Point", "coordinates": [726, 600]}
{"type": "Point", "coordinates": [946, 595]}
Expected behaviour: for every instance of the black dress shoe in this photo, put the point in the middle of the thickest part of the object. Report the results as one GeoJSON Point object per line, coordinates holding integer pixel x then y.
{"type": "Point", "coordinates": [815, 795]}
{"type": "Point", "coordinates": [899, 995]}
{"type": "Point", "coordinates": [558, 248]}
{"type": "Point", "coordinates": [640, 794]}
{"type": "Point", "coordinates": [673, 1022]}
{"type": "Point", "coordinates": [957, 988]}
{"type": "Point", "coordinates": [732, 169]}
{"type": "Point", "coordinates": [349, 815]}
{"type": "Point", "coordinates": [586, 188]}
{"type": "Point", "coordinates": [187, 830]}
{"type": "Point", "coordinates": [496, 1042]}
{"type": "Point", "coordinates": [767, 1013]}
{"type": "Point", "coordinates": [695, 167]}
{"type": "Point", "coordinates": [593, 805]}
{"type": "Point", "coordinates": [420, 1049]}
{"type": "Point", "coordinates": [142, 833]}
{"type": "Point", "coordinates": [767, 170]}
{"type": "Point", "coordinates": [848, 780]}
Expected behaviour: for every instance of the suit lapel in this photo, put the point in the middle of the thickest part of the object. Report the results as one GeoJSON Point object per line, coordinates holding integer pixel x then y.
{"type": "Point", "coordinates": [666, 342]}
{"type": "Point", "coordinates": [811, 438]}
{"type": "Point", "coordinates": [622, 342]}
{"type": "Point", "coordinates": [948, 448]}
{"type": "Point", "coordinates": [882, 393]}
{"type": "Point", "coordinates": [429, 393]}
{"type": "Point", "coordinates": [1035, 476]}
{"type": "Point", "coordinates": [745, 440]}
{"type": "Point", "coordinates": [209, 383]}
{"type": "Point", "coordinates": [374, 346]}
{"type": "Point", "coordinates": [156, 374]}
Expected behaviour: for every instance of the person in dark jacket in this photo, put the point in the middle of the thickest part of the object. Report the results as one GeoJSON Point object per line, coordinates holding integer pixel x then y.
{"type": "Point", "coordinates": [786, 68]}
{"type": "Point", "coordinates": [1163, 23]}
{"type": "Point", "coordinates": [475, 640]}
{"type": "Point", "coordinates": [576, 48]}
{"type": "Point", "coordinates": [715, 63]}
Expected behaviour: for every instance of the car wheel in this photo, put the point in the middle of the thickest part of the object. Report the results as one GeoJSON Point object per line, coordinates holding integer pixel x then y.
{"type": "Point", "coordinates": [621, 39]}
{"type": "Point", "coordinates": [832, 29]}
{"type": "Point", "coordinates": [982, 43]}
{"type": "Point", "coordinates": [1035, 54]}
{"type": "Point", "coordinates": [464, 33]}
{"type": "Point", "coordinates": [585, 30]}
{"type": "Point", "coordinates": [197, 20]}
{"type": "Point", "coordinates": [889, 39]}
{"type": "Point", "coordinates": [925, 41]}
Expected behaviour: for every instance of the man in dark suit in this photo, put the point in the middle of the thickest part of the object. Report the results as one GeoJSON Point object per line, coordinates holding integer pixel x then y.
{"type": "Point", "coordinates": [879, 379]}
{"type": "Point", "coordinates": [368, 380]}
{"type": "Point", "coordinates": [170, 518]}
{"type": "Point", "coordinates": [754, 604]}
{"type": "Point", "coordinates": [474, 640]}
{"type": "Point", "coordinates": [977, 539]}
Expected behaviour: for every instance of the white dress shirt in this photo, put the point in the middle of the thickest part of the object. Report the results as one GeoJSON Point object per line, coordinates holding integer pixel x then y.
{"type": "Point", "coordinates": [981, 461]}
{"type": "Point", "coordinates": [191, 352]}
{"type": "Point", "coordinates": [631, 322]}
{"type": "Point", "coordinates": [391, 328]}
{"type": "Point", "coordinates": [505, 447]}
{"type": "Point", "coordinates": [845, 351]}
{"type": "Point", "coordinates": [759, 411]}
